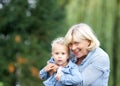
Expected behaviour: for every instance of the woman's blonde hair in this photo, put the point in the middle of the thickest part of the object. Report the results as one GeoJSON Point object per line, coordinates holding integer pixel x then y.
{"type": "Point", "coordinates": [80, 32]}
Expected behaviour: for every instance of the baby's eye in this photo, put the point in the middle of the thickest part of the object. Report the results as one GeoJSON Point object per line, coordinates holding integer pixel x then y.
{"type": "Point", "coordinates": [56, 53]}
{"type": "Point", "coordinates": [63, 53]}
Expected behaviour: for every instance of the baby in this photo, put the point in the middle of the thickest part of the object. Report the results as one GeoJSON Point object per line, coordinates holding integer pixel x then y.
{"type": "Point", "coordinates": [67, 72]}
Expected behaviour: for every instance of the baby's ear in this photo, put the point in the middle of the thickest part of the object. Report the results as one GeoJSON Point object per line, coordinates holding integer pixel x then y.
{"type": "Point", "coordinates": [68, 57]}
{"type": "Point", "coordinates": [52, 53]}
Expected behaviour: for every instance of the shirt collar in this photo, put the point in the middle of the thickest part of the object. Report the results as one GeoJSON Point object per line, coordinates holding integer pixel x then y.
{"type": "Point", "coordinates": [88, 56]}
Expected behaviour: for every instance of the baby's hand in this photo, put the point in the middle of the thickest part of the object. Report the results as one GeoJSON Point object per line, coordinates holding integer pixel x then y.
{"type": "Point", "coordinates": [59, 73]}
{"type": "Point", "coordinates": [57, 76]}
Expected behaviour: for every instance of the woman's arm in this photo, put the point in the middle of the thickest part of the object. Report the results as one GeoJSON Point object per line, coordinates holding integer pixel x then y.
{"type": "Point", "coordinates": [54, 66]}
{"type": "Point", "coordinates": [47, 71]}
{"type": "Point", "coordinates": [43, 74]}
{"type": "Point", "coordinates": [98, 68]}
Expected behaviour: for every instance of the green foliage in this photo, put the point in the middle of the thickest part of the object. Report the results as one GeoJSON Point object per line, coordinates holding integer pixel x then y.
{"type": "Point", "coordinates": [26, 31]}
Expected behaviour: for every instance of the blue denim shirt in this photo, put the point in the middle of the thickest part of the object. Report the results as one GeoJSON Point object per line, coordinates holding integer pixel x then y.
{"type": "Point", "coordinates": [70, 76]}
{"type": "Point", "coordinates": [94, 68]}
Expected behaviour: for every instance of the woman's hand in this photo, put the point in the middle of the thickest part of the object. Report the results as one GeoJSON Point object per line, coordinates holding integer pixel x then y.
{"type": "Point", "coordinates": [51, 68]}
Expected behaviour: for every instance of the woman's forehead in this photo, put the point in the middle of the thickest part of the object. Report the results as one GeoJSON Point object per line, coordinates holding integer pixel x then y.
{"type": "Point", "coordinates": [75, 39]}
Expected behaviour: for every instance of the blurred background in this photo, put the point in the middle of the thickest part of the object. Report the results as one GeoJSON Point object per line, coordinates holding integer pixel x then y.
{"type": "Point", "coordinates": [27, 28]}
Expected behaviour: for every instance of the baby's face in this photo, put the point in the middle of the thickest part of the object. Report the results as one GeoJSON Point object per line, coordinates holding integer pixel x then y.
{"type": "Point", "coordinates": [60, 55]}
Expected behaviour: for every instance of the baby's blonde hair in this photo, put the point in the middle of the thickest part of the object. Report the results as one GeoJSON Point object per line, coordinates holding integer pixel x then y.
{"type": "Point", "coordinates": [59, 41]}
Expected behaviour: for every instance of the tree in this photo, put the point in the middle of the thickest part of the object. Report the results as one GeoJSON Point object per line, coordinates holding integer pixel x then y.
{"type": "Point", "coordinates": [26, 30]}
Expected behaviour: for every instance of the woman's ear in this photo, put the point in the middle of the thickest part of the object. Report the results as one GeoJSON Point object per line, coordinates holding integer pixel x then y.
{"type": "Point", "coordinates": [89, 43]}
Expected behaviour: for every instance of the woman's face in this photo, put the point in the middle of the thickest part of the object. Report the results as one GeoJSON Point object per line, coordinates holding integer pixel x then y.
{"type": "Point", "coordinates": [80, 49]}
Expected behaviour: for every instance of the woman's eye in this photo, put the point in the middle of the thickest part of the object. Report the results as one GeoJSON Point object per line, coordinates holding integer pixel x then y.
{"type": "Point", "coordinates": [76, 43]}
{"type": "Point", "coordinates": [63, 53]}
{"type": "Point", "coordinates": [70, 45]}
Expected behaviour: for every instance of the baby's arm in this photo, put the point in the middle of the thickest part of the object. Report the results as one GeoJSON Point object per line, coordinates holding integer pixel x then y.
{"type": "Point", "coordinates": [72, 78]}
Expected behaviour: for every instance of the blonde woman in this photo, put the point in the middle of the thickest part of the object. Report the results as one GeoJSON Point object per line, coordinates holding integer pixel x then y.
{"type": "Point", "coordinates": [93, 62]}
